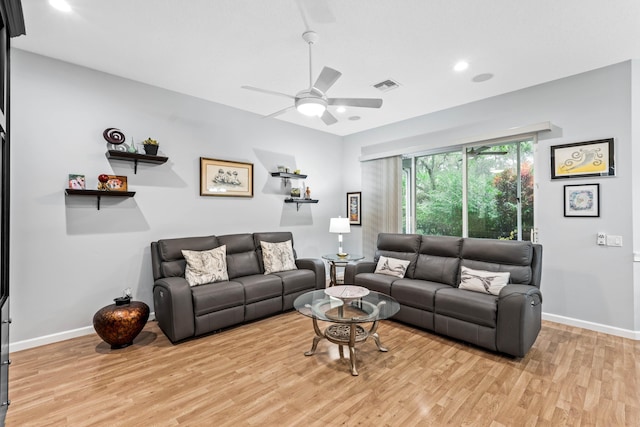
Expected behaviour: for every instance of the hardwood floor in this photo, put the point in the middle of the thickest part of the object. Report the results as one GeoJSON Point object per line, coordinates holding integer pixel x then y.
{"type": "Point", "coordinates": [257, 375]}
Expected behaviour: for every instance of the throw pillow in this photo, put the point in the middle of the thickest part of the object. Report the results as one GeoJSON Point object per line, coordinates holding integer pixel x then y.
{"type": "Point", "coordinates": [278, 257]}
{"type": "Point", "coordinates": [488, 282]}
{"type": "Point", "coordinates": [392, 266]}
{"type": "Point", "coordinates": [206, 266]}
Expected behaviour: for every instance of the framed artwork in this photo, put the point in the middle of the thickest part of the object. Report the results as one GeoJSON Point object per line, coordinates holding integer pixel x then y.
{"type": "Point", "coordinates": [354, 208]}
{"type": "Point", "coordinates": [116, 183]}
{"type": "Point", "coordinates": [583, 159]}
{"type": "Point", "coordinates": [582, 200]}
{"type": "Point", "coordinates": [225, 178]}
{"type": "Point", "coordinates": [77, 182]}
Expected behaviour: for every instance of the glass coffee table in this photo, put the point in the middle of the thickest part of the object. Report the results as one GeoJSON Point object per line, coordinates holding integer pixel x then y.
{"type": "Point", "coordinates": [347, 308]}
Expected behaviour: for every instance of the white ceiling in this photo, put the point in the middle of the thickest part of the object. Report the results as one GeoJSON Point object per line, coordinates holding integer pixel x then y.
{"type": "Point", "coordinates": [209, 48]}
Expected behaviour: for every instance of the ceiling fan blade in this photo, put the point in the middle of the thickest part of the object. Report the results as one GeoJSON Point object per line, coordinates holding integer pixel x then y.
{"type": "Point", "coordinates": [277, 113]}
{"type": "Point", "coordinates": [356, 102]}
{"type": "Point", "coordinates": [270, 92]}
{"type": "Point", "coordinates": [328, 118]}
{"type": "Point", "coordinates": [326, 79]}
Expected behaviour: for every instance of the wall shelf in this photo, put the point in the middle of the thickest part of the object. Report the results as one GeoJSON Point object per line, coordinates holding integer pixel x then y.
{"type": "Point", "coordinates": [99, 193]}
{"type": "Point", "coordinates": [287, 175]}
{"type": "Point", "coordinates": [135, 158]}
{"type": "Point", "coordinates": [298, 202]}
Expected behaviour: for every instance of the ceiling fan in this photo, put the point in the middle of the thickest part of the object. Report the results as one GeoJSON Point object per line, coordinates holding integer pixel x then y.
{"type": "Point", "coordinates": [313, 101]}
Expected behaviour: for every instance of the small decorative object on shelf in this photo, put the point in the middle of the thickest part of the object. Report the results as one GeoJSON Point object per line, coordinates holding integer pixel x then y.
{"type": "Point", "coordinates": [307, 194]}
{"type": "Point", "coordinates": [296, 172]}
{"type": "Point", "coordinates": [132, 148]}
{"type": "Point", "coordinates": [295, 192]}
{"type": "Point", "coordinates": [115, 137]}
{"type": "Point", "coordinates": [76, 182]}
{"type": "Point", "coordinates": [118, 324]}
{"type": "Point", "coordinates": [102, 182]}
{"type": "Point", "coordinates": [150, 146]}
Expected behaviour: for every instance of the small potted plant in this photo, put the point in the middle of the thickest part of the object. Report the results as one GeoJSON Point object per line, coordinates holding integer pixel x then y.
{"type": "Point", "coordinates": [150, 146]}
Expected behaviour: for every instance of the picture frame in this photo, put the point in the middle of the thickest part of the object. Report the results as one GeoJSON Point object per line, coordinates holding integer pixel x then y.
{"type": "Point", "coordinates": [77, 182]}
{"type": "Point", "coordinates": [582, 200]}
{"type": "Point", "coordinates": [224, 178]}
{"type": "Point", "coordinates": [354, 207]}
{"type": "Point", "coordinates": [116, 183]}
{"type": "Point", "coordinates": [583, 159]}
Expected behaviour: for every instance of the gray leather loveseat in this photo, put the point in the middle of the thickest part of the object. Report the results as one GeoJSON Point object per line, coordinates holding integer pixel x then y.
{"type": "Point", "coordinates": [185, 311]}
{"type": "Point", "coordinates": [430, 297]}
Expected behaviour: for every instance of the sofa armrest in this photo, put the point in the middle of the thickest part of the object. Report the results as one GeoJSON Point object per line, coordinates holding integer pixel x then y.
{"type": "Point", "coordinates": [173, 307]}
{"type": "Point", "coordinates": [317, 266]}
{"type": "Point", "coordinates": [356, 267]}
{"type": "Point", "coordinates": [519, 319]}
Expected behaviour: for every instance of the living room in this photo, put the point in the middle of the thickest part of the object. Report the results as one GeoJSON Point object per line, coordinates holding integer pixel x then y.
{"type": "Point", "coordinates": [68, 258]}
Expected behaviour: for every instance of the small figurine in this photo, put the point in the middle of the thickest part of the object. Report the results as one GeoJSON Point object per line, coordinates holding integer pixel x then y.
{"type": "Point", "coordinates": [102, 182]}
{"type": "Point", "coordinates": [307, 194]}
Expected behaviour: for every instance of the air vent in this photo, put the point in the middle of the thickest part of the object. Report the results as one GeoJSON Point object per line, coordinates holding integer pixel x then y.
{"type": "Point", "coordinates": [386, 85]}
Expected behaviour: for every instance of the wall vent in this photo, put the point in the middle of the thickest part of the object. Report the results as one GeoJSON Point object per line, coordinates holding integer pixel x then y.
{"type": "Point", "coordinates": [386, 85]}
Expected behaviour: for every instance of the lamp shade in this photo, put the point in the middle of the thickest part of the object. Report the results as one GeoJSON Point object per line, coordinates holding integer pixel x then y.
{"type": "Point", "coordinates": [339, 225]}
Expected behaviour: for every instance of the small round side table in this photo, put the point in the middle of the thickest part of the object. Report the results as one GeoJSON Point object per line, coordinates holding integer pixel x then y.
{"type": "Point", "coordinates": [336, 260]}
{"type": "Point", "coordinates": [118, 324]}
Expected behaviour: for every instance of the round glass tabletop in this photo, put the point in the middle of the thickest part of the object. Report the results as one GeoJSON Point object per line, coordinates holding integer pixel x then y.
{"type": "Point", "coordinates": [345, 259]}
{"type": "Point", "coordinates": [346, 309]}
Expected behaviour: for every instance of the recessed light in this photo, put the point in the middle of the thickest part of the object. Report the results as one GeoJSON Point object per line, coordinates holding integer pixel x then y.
{"type": "Point", "coordinates": [61, 5]}
{"type": "Point", "coordinates": [482, 77]}
{"type": "Point", "coordinates": [341, 109]}
{"type": "Point", "coordinates": [461, 66]}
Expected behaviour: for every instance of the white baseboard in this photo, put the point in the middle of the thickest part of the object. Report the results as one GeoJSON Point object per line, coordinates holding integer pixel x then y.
{"type": "Point", "coordinates": [598, 327]}
{"type": "Point", "coordinates": [60, 336]}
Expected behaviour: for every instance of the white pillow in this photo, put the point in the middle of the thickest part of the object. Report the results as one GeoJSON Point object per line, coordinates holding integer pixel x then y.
{"type": "Point", "coordinates": [487, 282]}
{"type": "Point", "coordinates": [392, 266]}
{"type": "Point", "coordinates": [278, 257]}
{"type": "Point", "coordinates": [206, 266]}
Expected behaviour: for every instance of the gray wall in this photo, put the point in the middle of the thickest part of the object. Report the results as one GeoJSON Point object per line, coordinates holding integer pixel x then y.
{"type": "Point", "coordinates": [582, 283]}
{"type": "Point", "coordinates": [67, 258]}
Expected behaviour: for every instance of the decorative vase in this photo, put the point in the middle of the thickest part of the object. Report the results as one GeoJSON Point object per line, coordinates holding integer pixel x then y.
{"type": "Point", "coordinates": [150, 149]}
{"type": "Point", "coordinates": [118, 324]}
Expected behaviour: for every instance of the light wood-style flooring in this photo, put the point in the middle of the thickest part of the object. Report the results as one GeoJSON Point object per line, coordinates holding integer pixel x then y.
{"type": "Point", "coordinates": [257, 375]}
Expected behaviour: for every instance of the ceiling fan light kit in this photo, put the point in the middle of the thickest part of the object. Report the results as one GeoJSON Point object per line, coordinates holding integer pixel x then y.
{"type": "Point", "coordinates": [313, 101]}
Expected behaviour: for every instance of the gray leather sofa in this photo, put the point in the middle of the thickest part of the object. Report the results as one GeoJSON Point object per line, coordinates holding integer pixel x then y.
{"type": "Point", "coordinates": [183, 311]}
{"type": "Point", "coordinates": [429, 296]}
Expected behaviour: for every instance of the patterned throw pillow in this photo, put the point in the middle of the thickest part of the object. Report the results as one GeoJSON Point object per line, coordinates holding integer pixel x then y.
{"type": "Point", "coordinates": [392, 266]}
{"type": "Point", "coordinates": [278, 257]}
{"type": "Point", "coordinates": [487, 282]}
{"type": "Point", "coordinates": [206, 266]}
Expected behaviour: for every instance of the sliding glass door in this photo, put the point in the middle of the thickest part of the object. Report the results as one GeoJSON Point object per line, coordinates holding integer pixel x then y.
{"type": "Point", "coordinates": [477, 191]}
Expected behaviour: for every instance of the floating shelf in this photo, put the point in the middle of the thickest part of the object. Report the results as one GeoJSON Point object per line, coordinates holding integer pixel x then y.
{"type": "Point", "coordinates": [287, 175]}
{"type": "Point", "coordinates": [99, 193]}
{"type": "Point", "coordinates": [135, 158]}
{"type": "Point", "coordinates": [298, 202]}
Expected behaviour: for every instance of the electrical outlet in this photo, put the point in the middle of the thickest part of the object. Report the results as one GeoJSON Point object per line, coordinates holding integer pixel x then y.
{"type": "Point", "coordinates": [601, 240]}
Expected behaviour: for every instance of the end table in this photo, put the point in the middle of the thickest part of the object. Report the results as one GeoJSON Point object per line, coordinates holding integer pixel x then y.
{"type": "Point", "coordinates": [338, 261]}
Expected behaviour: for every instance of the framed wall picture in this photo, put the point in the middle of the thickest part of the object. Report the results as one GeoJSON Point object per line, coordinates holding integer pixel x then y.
{"type": "Point", "coordinates": [582, 200]}
{"type": "Point", "coordinates": [583, 159]}
{"type": "Point", "coordinates": [354, 208]}
{"type": "Point", "coordinates": [225, 178]}
{"type": "Point", "coordinates": [77, 182]}
{"type": "Point", "coordinates": [116, 183]}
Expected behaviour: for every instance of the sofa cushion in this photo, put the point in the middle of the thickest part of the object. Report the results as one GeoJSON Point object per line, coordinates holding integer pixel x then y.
{"type": "Point", "coordinates": [375, 282]}
{"type": "Point", "coordinates": [242, 259]}
{"type": "Point", "coordinates": [438, 260]}
{"type": "Point", "coordinates": [206, 266]}
{"type": "Point", "coordinates": [469, 306]}
{"type": "Point", "coordinates": [392, 266]}
{"type": "Point", "coordinates": [500, 256]}
{"type": "Point", "coordinates": [277, 257]}
{"type": "Point", "coordinates": [216, 297]}
{"type": "Point", "coordinates": [259, 287]}
{"type": "Point", "coordinates": [416, 293]}
{"type": "Point", "coordinates": [399, 246]}
{"type": "Point", "coordinates": [488, 282]}
{"type": "Point", "coordinates": [172, 262]}
{"type": "Point", "coordinates": [297, 280]}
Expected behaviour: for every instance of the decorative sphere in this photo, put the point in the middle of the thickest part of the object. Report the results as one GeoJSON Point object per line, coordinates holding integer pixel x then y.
{"type": "Point", "coordinates": [103, 178]}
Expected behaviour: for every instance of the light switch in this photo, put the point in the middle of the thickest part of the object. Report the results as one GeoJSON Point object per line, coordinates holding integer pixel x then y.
{"type": "Point", "coordinates": [614, 240]}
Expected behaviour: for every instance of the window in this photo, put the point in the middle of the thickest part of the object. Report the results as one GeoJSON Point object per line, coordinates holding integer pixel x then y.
{"type": "Point", "coordinates": [477, 191]}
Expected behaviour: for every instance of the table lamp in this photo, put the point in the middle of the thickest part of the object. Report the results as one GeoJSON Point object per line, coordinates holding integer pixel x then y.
{"type": "Point", "coordinates": [340, 225]}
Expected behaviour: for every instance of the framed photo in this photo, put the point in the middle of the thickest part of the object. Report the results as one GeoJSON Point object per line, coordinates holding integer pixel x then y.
{"type": "Point", "coordinates": [225, 178]}
{"type": "Point", "coordinates": [77, 182]}
{"type": "Point", "coordinates": [117, 183]}
{"type": "Point", "coordinates": [582, 200]}
{"type": "Point", "coordinates": [583, 159]}
{"type": "Point", "coordinates": [354, 208]}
